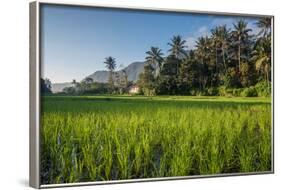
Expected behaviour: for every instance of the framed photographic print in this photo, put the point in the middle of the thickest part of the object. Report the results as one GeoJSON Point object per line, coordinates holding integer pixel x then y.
{"type": "Point", "coordinates": [126, 94]}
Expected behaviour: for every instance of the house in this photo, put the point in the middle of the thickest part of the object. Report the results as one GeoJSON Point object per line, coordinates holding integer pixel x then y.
{"type": "Point", "coordinates": [134, 89]}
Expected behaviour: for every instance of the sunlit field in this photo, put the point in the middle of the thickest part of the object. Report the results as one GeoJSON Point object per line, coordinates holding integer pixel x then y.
{"type": "Point", "coordinates": [96, 138]}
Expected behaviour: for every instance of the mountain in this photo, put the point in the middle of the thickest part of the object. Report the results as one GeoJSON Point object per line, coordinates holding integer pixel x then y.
{"type": "Point", "coordinates": [58, 87]}
{"type": "Point", "coordinates": [133, 70]}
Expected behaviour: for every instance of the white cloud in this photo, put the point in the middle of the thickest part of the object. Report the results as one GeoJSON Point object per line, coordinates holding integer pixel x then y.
{"type": "Point", "coordinates": [191, 40]}
{"type": "Point", "coordinates": [203, 31]}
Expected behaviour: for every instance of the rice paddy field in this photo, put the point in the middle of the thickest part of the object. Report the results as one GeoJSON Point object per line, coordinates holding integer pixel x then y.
{"type": "Point", "coordinates": [97, 138]}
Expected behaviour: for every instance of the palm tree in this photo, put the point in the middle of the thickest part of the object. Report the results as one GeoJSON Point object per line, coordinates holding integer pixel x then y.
{"type": "Point", "coordinates": [240, 36]}
{"type": "Point", "coordinates": [202, 52]}
{"type": "Point", "coordinates": [110, 64]}
{"type": "Point", "coordinates": [73, 82]}
{"type": "Point", "coordinates": [48, 83]}
{"type": "Point", "coordinates": [262, 57]}
{"type": "Point", "coordinates": [216, 42]}
{"type": "Point", "coordinates": [155, 57]}
{"type": "Point", "coordinates": [125, 75]}
{"type": "Point", "coordinates": [224, 39]}
{"type": "Point", "coordinates": [265, 26]}
{"type": "Point", "coordinates": [220, 36]}
{"type": "Point", "coordinates": [200, 45]}
{"type": "Point", "coordinates": [177, 46]}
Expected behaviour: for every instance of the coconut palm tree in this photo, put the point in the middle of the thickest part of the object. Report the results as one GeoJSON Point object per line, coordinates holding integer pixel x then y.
{"type": "Point", "coordinates": [265, 26]}
{"type": "Point", "coordinates": [110, 64]}
{"type": "Point", "coordinates": [240, 36]}
{"type": "Point", "coordinates": [154, 57]}
{"type": "Point", "coordinates": [177, 47]}
{"type": "Point", "coordinates": [202, 53]}
{"type": "Point", "coordinates": [261, 55]}
{"type": "Point", "coordinates": [224, 39]}
{"type": "Point", "coordinates": [125, 75]}
{"type": "Point", "coordinates": [73, 82]}
{"type": "Point", "coordinates": [200, 45]}
{"type": "Point", "coordinates": [216, 42]}
{"type": "Point", "coordinates": [220, 36]}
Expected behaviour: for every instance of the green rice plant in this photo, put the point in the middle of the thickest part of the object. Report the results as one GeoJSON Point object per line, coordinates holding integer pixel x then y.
{"type": "Point", "coordinates": [97, 138]}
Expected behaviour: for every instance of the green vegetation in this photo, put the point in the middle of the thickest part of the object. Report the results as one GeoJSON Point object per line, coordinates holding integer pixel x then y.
{"type": "Point", "coordinates": [93, 138]}
{"type": "Point", "coordinates": [227, 59]}
{"type": "Point", "coordinates": [229, 62]}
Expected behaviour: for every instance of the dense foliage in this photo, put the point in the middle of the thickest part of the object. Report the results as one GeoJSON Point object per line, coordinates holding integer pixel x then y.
{"type": "Point", "coordinates": [228, 59]}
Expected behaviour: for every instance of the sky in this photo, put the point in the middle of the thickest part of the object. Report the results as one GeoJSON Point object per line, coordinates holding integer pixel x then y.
{"type": "Point", "coordinates": [75, 40]}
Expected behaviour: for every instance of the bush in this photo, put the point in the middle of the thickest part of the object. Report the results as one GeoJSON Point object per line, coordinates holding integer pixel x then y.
{"type": "Point", "coordinates": [237, 92]}
{"type": "Point", "coordinates": [263, 89]}
{"type": "Point", "coordinates": [249, 92]}
{"type": "Point", "coordinates": [192, 92]}
{"type": "Point", "coordinates": [212, 91]}
{"type": "Point", "coordinates": [224, 91]}
{"type": "Point", "coordinates": [202, 92]}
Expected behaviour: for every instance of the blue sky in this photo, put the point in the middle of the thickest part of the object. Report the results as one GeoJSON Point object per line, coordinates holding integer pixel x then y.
{"type": "Point", "coordinates": [75, 40]}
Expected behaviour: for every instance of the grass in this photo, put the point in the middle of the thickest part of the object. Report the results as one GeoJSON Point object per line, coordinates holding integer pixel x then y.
{"type": "Point", "coordinates": [94, 138]}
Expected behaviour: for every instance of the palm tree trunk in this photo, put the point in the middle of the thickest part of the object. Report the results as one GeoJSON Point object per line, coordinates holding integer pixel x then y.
{"type": "Point", "coordinates": [223, 57]}
{"type": "Point", "coordinates": [202, 77]}
{"type": "Point", "coordinates": [239, 53]}
{"type": "Point", "coordinates": [267, 76]}
{"type": "Point", "coordinates": [110, 80]}
{"type": "Point", "coordinates": [216, 59]}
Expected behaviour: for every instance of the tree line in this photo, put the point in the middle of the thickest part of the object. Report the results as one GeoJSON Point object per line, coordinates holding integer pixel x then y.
{"type": "Point", "coordinates": [228, 62]}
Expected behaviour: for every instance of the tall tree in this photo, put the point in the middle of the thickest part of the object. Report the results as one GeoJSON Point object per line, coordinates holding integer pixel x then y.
{"type": "Point", "coordinates": [125, 77]}
{"type": "Point", "coordinates": [178, 46]}
{"type": "Point", "coordinates": [46, 86]}
{"type": "Point", "coordinates": [189, 74]}
{"type": "Point", "coordinates": [221, 37]}
{"type": "Point", "coordinates": [168, 78]}
{"type": "Point", "coordinates": [110, 64]}
{"type": "Point", "coordinates": [265, 26]}
{"type": "Point", "coordinates": [147, 80]}
{"type": "Point", "coordinates": [216, 42]}
{"type": "Point", "coordinates": [154, 57]}
{"type": "Point", "coordinates": [203, 52]}
{"type": "Point", "coordinates": [261, 55]}
{"type": "Point", "coordinates": [177, 49]}
{"type": "Point", "coordinates": [241, 38]}
{"type": "Point", "coordinates": [73, 82]}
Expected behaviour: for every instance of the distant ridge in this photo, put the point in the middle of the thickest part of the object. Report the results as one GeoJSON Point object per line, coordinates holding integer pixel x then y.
{"type": "Point", "coordinates": [58, 87]}
{"type": "Point", "coordinates": [133, 70]}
